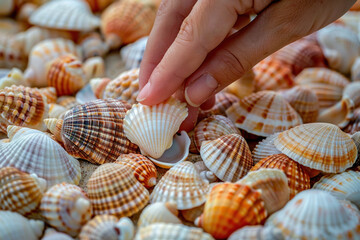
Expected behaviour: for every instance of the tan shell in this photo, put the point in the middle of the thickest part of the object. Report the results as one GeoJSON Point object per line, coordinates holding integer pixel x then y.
{"type": "Point", "coordinates": [49, 93]}
{"type": "Point", "coordinates": [340, 114]}
{"type": "Point", "coordinates": [244, 86]}
{"type": "Point", "coordinates": [159, 212]}
{"type": "Point", "coordinates": [355, 70]}
{"type": "Point", "coordinates": [56, 111]}
{"type": "Point", "coordinates": [98, 85]}
{"type": "Point", "coordinates": [351, 91]}
{"type": "Point", "coordinates": [265, 148]}
{"type": "Point", "coordinates": [94, 67]}
{"type": "Point", "coordinates": [92, 45]}
{"type": "Point", "coordinates": [223, 101]}
{"type": "Point", "coordinates": [193, 213]}
{"type": "Point", "coordinates": [14, 77]}
{"type": "Point", "coordinates": [67, 101]}
{"type": "Point", "coordinates": [11, 53]}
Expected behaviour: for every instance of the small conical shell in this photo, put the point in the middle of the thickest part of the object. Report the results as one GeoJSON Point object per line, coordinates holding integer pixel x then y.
{"type": "Point", "coordinates": [92, 45]}
{"type": "Point", "coordinates": [204, 172]}
{"type": "Point", "coordinates": [98, 86]}
{"type": "Point", "coordinates": [14, 77]}
{"type": "Point", "coordinates": [223, 101]}
{"type": "Point", "coordinates": [94, 67]}
{"type": "Point", "coordinates": [159, 212]}
{"type": "Point", "coordinates": [132, 54]}
{"type": "Point", "coordinates": [51, 234]}
{"type": "Point", "coordinates": [257, 233]}
{"type": "Point", "coordinates": [265, 148]}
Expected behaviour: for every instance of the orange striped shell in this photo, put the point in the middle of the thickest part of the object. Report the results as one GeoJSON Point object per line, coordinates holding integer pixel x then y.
{"type": "Point", "coordinates": [49, 93]}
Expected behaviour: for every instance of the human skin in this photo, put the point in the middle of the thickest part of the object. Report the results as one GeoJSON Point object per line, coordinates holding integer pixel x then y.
{"type": "Point", "coordinates": [191, 55]}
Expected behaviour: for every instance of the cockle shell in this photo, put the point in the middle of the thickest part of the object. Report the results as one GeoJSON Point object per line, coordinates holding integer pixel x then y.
{"type": "Point", "coordinates": [67, 101]}
{"type": "Point", "coordinates": [132, 54]}
{"type": "Point", "coordinates": [94, 67]}
{"type": "Point", "coordinates": [228, 157]}
{"type": "Point", "coordinates": [340, 114]}
{"type": "Point", "coordinates": [192, 214]}
{"type": "Point", "coordinates": [315, 214]}
{"type": "Point", "coordinates": [167, 231]}
{"type": "Point", "coordinates": [153, 127]}
{"type": "Point", "coordinates": [92, 45]}
{"type": "Point", "coordinates": [223, 101]}
{"type": "Point", "coordinates": [126, 21]}
{"type": "Point", "coordinates": [13, 226]}
{"type": "Point", "coordinates": [49, 93]}
{"type": "Point", "coordinates": [144, 170]}
{"type": "Point", "coordinates": [265, 148]}
{"type": "Point", "coordinates": [165, 212]}
{"type": "Point", "coordinates": [355, 70]}
{"type": "Point", "coordinates": [98, 85]}
{"type": "Point", "coordinates": [66, 15]}
{"type": "Point", "coordinates": [204, 172]}
{"type": "Point", "coordinates": [14, 77]}
{"type": "Point", "coordinates": [52, 234]}
{"type": "Point", "coordinates": [183, 185]}
{"type": "Point", "coordinates": [229, 207]}
{"type": "Point", "coordinates": [83, 124]}
{"type": "Point", "coordinates": [11, 53]}
{"type": "Point", "coordinates": [113, 189]}
{"type": "Point", "coordinates": [98, 5]}
{"type": "Point", "coordinates": [108, 227]}
{"type": "Point", "coordinates": [257, 232]}
{"type": "Point", "coordinates": [298, 179]}
{"type": "Point", "coordinates": [33, 151]}
{"type": "Point", "coordinates": [66, 208]}
{"type": "Point", "coordinates": [320, 146]}
{"type": "Point", "coordinates": [20, 192]}
{"type": "Point", "coordinates": [263, 113]}
{"type": "Point", "coordinates": [354, 123]}
{"type": "Point", "coordinates": [244, 86]}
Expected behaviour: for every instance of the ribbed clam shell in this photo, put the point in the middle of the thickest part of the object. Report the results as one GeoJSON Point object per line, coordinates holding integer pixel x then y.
{"type": "Point", "coordinates": [132, 54]}
{"type": "Point", "coordinates": [66, 14]}
{"type": "Point", "coordinates": [113, 189]}
{"type": "Point", "coordinates": [33, 151]}
{"type": "Point", "coordinates": [274, 187]}
{"type": "Point", "coordinates": [257, 233]}
{"type": "Point", "coordinates": [66, 208]}
{"type": "Point", "coordinates": [298, 179]}
{"type": "Point", "coordinates": [94, 131]}
{"type": "Point", "coordinates": [192, 214]}
{"type": "Point", "coordinates": [340, 114]}
{"type": "Point", "coordinates": [66, 75]}
{"type": "Point", "coordinates": [152, 127]}
{"type": "Point", "coordinates": [11, 53]}
{"type": "Point", "coordinates": [13, 226]}
{"type": "Point", "coordinates": [98, 5]}
{"type": "Point", "coordinates": [223, 101]}
{"type": "Point", "coordinates": [265, 148]}
{"type": "Point", "coordinates": [67, 101]}
{"type": "Point", "coordinates": [165, 212]}
{"type": "Point", "coordinates": [94, 67]}
{"type": "Point", "coordinates": [315, 214]}
{"type": "Point", "coordinates": [51, 234]}
{"type": "Point", "coordinates": [355, 70]}
{"type": "Point", "coordinates": [263, 113]}
{"type": "Point", "coordinates": [144, 170]}
{"type": "Point", "coordinates": [351, 91]}
{"type": "Point", "coordinates": [244, 86]}
{"type": "Point", "coordinates": [20, 192]}
{"type": "Point", "coordinates": [49, 93]}
{"type": "Point", "coordinates": [229, 207]}
{"type": "Point", "coordinates": [228, 157]}
{"type": "Point", "coordinates": [13, 77]}
{"type": "Point", "coordinates": [354, 123]}
{"type": "Point", "coordinates": [183, 185]}
{"type": "Point", "coordinates": [204, 172]}
{"type": "Point", "coordinates": [320, 146]}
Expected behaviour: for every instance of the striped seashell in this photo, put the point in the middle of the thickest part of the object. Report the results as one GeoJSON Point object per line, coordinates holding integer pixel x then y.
{"type": "Point", "coordinates": [204, 172]}
{"type": "Point", "coordinates": [356, 138]}
{"type": "Point", "coordinates": [65, 15]}
{"type": "Point", "coordinates": [94, 131]}
{"type": "Point", "coordinates": [13, 77]}
{"type": "Point", "coordinates": [67, 101]}
{"type": "Point", "coordinates": [183, 185]}
{"type": "Point", "coordinates": [166, 231]}
{"type": "Point", "coordinates": [272, 74]}
{"type": "Point", "coordinates": [52, 234]}
{"type": "Point", "coordinates": [56, 111]}
{"type": "Point", "coordinates": [244, 86]}
{"type": "Point", "coordinates": [132, 54]}
{"type": "Point", "coordinates": [192, 214]}
{"type": "Point", "coordinates": [223, 101]}
{"type": "Point", "coordinates": [22, 106]}
{"type": "Point", "coordinates": [85, 95]}
{"type": "Point", "coordinates": [298, 179]}
{"type": "Point", "coordinates": [66, 75]}
{"type": "Point", "coordinates": [354, 123]}
{"type": "Point", "coordinates": [113, 189]}
{"type": "Point", "coordinates": [35, 152]}
{"type": "Point", "coordinates": [160, 212]}
{"type": "Point", "coordinates": [320, 146]}
{"type": "Point", "coordinates": [92, 45]}
{"type": "Point", "coordinates": [340, 114]}
{"type": "Point", "coordinates": [212, 128]}
{"type": "Point", "coordinates": [263, 113]}
{"type": "Point", "coordinates": [66, 208]}
{"type": "Point", "coordinates": [351, 91]}
{"type": "Point", "coordinates": [265, 148]}
{"type": "Point", "coordinates": [20, 192]}
{"type": "Point", "coordinates": [152, 127]}
{"type": "Point", "coordinates": [126, 21]}
{"type": "Point", "coordinates": [355, 70]}
{"type": "Point", "coordinates": [342, 186]}
{"type": "Point", "coordinates": [257, 232]}
{"type": "Point", "coordinates": [228, 157]}
{"type": "Point", "coordinates": [273, 185]}
{"type": "Point", "coordinates": [11, 53]}
{"type": "Point", "coordinates": [340, 45]}
{"type": "Point", "coordinates": [98, 86]}
{"type": "Point", "coordinates": [41, 56]}
{"type": "Point", "coordinates": [108, 227]}
{"type": "Point", "coordinates": [327, 84]}
{"type": "Point", "coordinates": [98, 5]}
{"type": "Point", "coordinates": [13, 226]}
{"type": "Point", "coordinates": [231, 206]}
{"type": "Point", "coordinates": [144, 170]}
{"type": "Point", "coordinates": [304, 101]}
{"type": "Point", "coordinates": [49, 93]}
{"type": "Point", "coordinates": [94, 67]}
{"type": "Point", "coordinates": [315, 214]}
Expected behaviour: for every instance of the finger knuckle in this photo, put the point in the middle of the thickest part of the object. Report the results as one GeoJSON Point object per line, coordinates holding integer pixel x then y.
{"type": "Point", "coordinates": [233, 66]}
{"type": "Point", "coordinates": [187, 31]}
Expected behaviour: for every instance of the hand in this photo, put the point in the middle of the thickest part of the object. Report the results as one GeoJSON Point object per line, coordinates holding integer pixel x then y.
{"type": "Point", "coordinates": [191, 52]}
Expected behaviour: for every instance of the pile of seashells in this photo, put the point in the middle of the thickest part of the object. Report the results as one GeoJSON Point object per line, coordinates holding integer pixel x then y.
{"type": "Point", "coordinates": [275, 158]}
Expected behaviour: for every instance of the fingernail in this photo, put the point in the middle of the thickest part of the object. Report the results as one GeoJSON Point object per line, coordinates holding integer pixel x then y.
{"type": "Point", "coordinates": [144, 93]}
{"type": "Point", "coordinates": [200, 90]}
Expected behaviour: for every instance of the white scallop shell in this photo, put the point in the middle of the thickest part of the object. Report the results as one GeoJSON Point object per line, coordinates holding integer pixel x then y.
{"type": "Point", "coordinates": [265, 148]}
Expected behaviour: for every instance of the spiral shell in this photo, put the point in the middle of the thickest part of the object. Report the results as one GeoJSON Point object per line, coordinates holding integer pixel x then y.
{"type": "Point", "coordinates": [94, 67]}
{"type": "Point", "coordinates": [204, 172]}
{"type": "Point", "coordinates": [159, 212]}
{"type": "Point", "coordinates": [265, 148]}
{"type": "Point", "coordinates": [92, 45]}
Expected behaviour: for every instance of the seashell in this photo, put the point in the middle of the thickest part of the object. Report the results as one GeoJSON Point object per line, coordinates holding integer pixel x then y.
{"type": "Point", "coordinates": [41, 56]}
{"type": "Point", "coordinates": [340, 46]}
{"type": "Point", "coordinates": [67, 101]}
{"type": "Point", "coordinates": [85, 95]}
{"type": "Point", "coordinates": [351, 91]}
{"type": "Point", "coordinates": [153, 127]}
{"type": "Point", "coordinates": [298, 179]}
{"type": "Point", "coordinates": [223, 101]}
{"type": "Point", "coordinates": [315, 214]}
{"type": "Point", "coordinates": [35, 152]}
{"type": "Point", "coordinates": [19, 191]}
{"type": "Point", "coordinates": [66, 15]}
{"type": "Point", "coordinates": [24, 12]}
{"type": "Point", "coordinates": [344, 185]}
{"type": "Point", "coordinates": [356, 6]}
{"type": "Point", "coordinates": [98, 5]}
{"type": "Point", "coordinates": [98, 85]}
{"type": "Point", "coordinates": [9, 26]}
{"type": "Point", "coordinates": [11, 53]}
{"type": "Point", "coordinates": [244, 86]}
{"type": "Point", "coordinates": [272, 74]}
{"type": "Point", "coordinates": [354, 124]}
{"type": "Point", "coordinates": [7, 7]}
{"type": "Point", "coordinates": [355, 70]}
{"type": "Point", "coordinates": [166, 231]}
{"type": "Point", "coordinates": [356, 138]}
{"type": "Point", "coordinates": [92, 45]}
{"type": "Point", "coordinates": [265, 148]}
{"type": "Point", "coordinates": [66, 208]}
{"type": "Point", "coordinates": [14, 77]}
{"type": "Point", "coordinates": [113, 189]}
{"type": "Point", "coordinates": [340, 114]}
{"type": "Point", "coordinates": [132, 54]}
{"type": "Point", "coordinates": [320, 146]}
{"type": "Point", "coordinates": [52, 234]}
{"type": "Point", "coordinates": [257, 232]}
{"type": "Point", "coordinates": [263, 113]}
{"type": "Point", "coordinates": [144, 170]}
{"type": "Point", "coordinates": [304, 101]}
{"type": "Point", "coordinates": [4, 72]}
{"type": "Point", "coordinates": [49, 93]}
{"type": "Point", "coordinates": [108, 227]}
{"type": "Point", "coordinates": [22, 106]}
{"type": "Point", "coordinates": [157, 213]}
{"type": "Point", "coordinates": [13, 226]}
{"type": "Point", "coordinates": [94, 131]}
{"type": "Point", "coordinates": [192, 147]}
{"type": "Point", "coordinates": [204, 172]}
{"type": "Point", "coordinates": [126, 21]}
{"type": "Point", "coordinates": [229, 207]}
{"type": "Point", "coordinates": [94, 67]}
{"type": "Point", "coordinates": [183, 185]}
{"type": "Point", "coordinates": [274, 187]}
{"type": "Point", "coordinates": [193, 213]}
{"type": "Point", "coordinates": [327, 84]}
{"type": "Point", "coordinates": [228, 157]}
{"type": "Point", "coordinates": [56, 111]}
